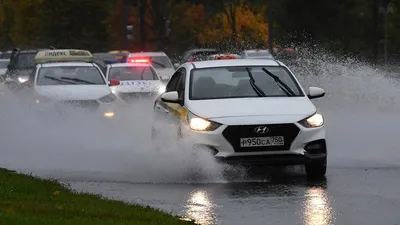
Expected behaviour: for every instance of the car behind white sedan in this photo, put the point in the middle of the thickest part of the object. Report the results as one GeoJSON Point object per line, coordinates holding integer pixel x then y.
{"type": "Point", "coordinates": [252, 112]}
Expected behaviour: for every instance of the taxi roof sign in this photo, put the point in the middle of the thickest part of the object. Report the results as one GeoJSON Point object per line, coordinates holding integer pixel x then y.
{"type": "Point", "coordinates": [63, 55]}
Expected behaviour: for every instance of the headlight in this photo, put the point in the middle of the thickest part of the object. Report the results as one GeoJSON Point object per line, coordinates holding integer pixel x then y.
{"type": "Point", "coordinates": [108, 98]}
{"type": "Point", "coordinates": [161, 89]}
{"type": "Point", "coordinates": [200, 124]}
{"type": "Point", "coordinates": [22, 79]}
{"type": "Point", "coordinates": [316, 120]}
{"type": "Point", "coordinates": [109, 114]}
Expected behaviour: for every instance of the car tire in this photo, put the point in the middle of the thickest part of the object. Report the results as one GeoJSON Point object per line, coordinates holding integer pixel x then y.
{"type": "Point", "coordinates": [316, 170]}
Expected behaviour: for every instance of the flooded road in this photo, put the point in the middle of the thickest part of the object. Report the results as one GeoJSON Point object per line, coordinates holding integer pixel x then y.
{"type": "Point", "coordinates": [361, 110]}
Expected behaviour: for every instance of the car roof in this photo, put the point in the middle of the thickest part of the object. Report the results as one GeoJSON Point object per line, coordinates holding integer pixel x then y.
{"type": "Point", "coordinates": [4, 60]}
{"type": "Point", "coordinates": [148, 54]}
{"type": "Point", "coordinates": [255, 50]}
{"type": "Point", "coordinates": [67, 64]}
{"type": "Point", "coordinates": [235, 62]}
{"type": "Point", "coordinates": [130, 65]}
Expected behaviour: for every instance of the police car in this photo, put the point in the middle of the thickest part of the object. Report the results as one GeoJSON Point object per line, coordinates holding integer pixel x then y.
{"type": "Point", "coordinates": [159, 60]}
{"type": "Point", "coordinates": [251, 112]}
{"type": "Point", "coordinates": [68, 78]}
{"type": "Point", "coordinates": [138, 80]}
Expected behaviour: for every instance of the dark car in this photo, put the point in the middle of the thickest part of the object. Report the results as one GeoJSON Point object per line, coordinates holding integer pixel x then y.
{"type": "Point", "coordinates": [21, 69]}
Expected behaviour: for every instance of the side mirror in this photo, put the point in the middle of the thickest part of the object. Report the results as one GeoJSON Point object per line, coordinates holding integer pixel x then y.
{"type": "Point", "coordinates": [170, 97]}
{"type": "Point", "coordinates": [315, 92]}
{"type": "Point", "coordinates": [113, 82]}
{"type": "Point", "coordinates": [176, 65]}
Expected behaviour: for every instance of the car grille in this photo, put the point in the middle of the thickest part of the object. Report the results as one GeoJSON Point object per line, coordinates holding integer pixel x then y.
{"type": "Point", "coordinates": [234, 133]}
{"type": "Point", "coordinates": [86, 104]}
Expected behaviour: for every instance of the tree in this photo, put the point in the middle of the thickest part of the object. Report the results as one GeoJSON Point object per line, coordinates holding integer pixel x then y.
{"type": "Point", "coordinates": [248, 26]}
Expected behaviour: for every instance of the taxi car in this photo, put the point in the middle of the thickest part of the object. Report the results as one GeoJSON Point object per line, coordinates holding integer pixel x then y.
{"type": "Point", "coordinates": [249, 112]}
{"type": "Point", "coordinates": [159, 60]}
{"type": "Point", "coordinates": [68, 78]}
{"type": "Point", "coordinates": [137, 81]}
{"type": "Point", "coordinates": [256, 54]}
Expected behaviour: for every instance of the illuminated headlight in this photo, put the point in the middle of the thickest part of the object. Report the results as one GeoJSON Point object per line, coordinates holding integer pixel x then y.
{"type": "Point", "coordinates": [109, 114]}
{"type": "Point", "coordinates": [161, 90]}
{"type": "Point", "coordinates": [22, 79]}
{"type": "Point", "coordinates": [200, 124]}
{"type": "Point", "coordinates": [316, 120]}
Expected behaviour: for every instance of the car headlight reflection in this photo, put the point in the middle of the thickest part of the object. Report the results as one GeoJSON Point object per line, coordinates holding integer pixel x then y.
{"type": "Point", "coordinates": [200, 124]}
{"type": "Point", "coordinates": [161, 90]}
{"type": "Point", "coordinates": [316, 120]}
{"type": "Point", "coordinates": [22, 79]}
{"type": "Point", "coordinates": [109, 114]}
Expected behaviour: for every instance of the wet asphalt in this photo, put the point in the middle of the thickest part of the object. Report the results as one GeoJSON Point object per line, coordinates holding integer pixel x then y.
{"type": "Point", "coordinates": [349, 195]}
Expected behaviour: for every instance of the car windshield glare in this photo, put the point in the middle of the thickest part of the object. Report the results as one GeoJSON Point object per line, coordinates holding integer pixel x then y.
{"type": "Point", "coordinates": [132, 73]}
{"type": "Point", "coordinates": [234, 82]}
{"type": "Point", "coordinates": [70, 75]}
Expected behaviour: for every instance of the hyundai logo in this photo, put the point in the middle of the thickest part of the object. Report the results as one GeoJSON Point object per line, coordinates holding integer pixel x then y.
{"type": "Point", "coordinates": [261, 129]}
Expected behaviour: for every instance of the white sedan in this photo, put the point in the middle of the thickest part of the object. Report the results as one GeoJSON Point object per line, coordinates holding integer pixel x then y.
{"type": "Point", "coordinates": [137, 81]}
{"type": "Point", "coordinates": [245, 111]}
{"type": "Point", "coordinates": [76, 83]}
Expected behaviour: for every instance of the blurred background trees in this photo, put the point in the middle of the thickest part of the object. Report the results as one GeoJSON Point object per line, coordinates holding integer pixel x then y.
{"type": "Point", "coordinates": [366, 29]}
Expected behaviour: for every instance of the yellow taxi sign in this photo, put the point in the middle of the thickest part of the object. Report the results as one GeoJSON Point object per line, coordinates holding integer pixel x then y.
{"type": "Point", "coordinates": [63, 55]}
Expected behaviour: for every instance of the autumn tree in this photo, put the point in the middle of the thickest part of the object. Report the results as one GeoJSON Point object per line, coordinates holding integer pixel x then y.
{"type": "Point", "coordinates": [237, 21]}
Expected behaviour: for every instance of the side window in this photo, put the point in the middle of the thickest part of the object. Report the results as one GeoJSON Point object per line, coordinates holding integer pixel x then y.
{"type": "Point", "coordinates": [172, 84]}
{"type": "Point", "coordinates": [180, 88]}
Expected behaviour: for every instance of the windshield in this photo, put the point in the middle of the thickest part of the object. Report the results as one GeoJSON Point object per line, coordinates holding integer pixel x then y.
{"type": "Point", "coordinates": [132, 73]}
{"type": "Point", "coordinates": [234, 82]}
{"type": "Point", "coordinates": [70, 75]}
{"type": "Point", "coordinates": [26, 60]}
{"type": "Point", "coordinates": [3, 64]}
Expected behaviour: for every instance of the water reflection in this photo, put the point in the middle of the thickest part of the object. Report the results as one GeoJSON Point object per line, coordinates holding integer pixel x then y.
{"type": "Point", "coordinates": [317, 208]}
{"type": "Point", "coordinates": [200, 208]}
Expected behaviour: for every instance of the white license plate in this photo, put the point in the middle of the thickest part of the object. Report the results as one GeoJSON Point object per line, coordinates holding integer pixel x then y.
{"type": "Point", "coordinates": [262, 141]}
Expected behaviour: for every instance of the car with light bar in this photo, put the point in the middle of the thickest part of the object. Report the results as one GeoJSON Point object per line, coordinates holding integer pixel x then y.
{"type": "Point", "coordinates": [247, 112]}
{"type": "Point", "coordinates": [159, 60]}
{"type": "Point", "coordinates": [69, 79]}
{"type": "Point", "coordinates": [137, 81]}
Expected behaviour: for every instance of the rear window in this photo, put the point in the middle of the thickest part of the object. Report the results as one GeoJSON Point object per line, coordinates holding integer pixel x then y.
{"type": "Point", "coordinates": [201, 56]}
{"type": "Point", "coordinates": [132, 73]}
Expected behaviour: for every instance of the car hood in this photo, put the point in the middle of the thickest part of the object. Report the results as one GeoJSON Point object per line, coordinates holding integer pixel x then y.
{"type": "Point", "coordinates": [167, 72]}
{"type": "Point", "coordinates": [275, 109]}
{"type": "Point", "coordinates": [137, 86]}
{"type": "Point", "coordinates": [73, 92]}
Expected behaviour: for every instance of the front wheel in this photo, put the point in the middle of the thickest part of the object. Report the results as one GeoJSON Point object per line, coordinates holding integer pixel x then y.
{"type": "Point", "coordinates": [316, 170]}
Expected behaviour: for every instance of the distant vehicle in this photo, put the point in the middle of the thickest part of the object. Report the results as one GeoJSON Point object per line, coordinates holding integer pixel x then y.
{"type": "Point", "coordinates": [68, 78]}
{"type": "Point", "coordinates": [5, 55]}
{"type": "Point", "coordinates": [223, 56]}
{"type": "Point", "coordinates": [3, 66]}
{"type": "Point", "coordinates": [137, 81]}
{"type": "Point", "coordinates": [256, 54]}
{"type": "Point", "coordinates": [159, 60]}
{"type": "Point", "coordinates": [21, 69]}
{"type": "Point", "coordinates": [246, 112]}
{"type": "Point", "coordinates": [201, 54]}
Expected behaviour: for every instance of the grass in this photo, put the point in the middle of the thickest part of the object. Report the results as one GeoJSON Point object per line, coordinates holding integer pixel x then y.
{"type": "Point", "coordinates": [28, 200]}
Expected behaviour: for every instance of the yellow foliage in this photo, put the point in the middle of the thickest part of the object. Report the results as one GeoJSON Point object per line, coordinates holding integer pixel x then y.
{"type": "Point", "coordinates": [249, 25]}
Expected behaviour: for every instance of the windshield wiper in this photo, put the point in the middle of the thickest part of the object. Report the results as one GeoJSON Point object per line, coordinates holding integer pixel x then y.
{"type": "Point", "coordinates": [253, 84]}
{"type": "Point", "coordinates": [77, 80]}
{"type": "Point", "coordinates": [280, 83]}
{"type": "Point", "coordinates": [56, 79]}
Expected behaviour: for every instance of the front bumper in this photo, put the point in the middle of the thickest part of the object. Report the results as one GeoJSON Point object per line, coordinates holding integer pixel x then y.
{"type": "Point", "coordinates": [302, 145]}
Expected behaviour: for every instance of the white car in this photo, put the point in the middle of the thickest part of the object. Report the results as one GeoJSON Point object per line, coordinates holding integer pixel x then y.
{"type": "Point", "coordinates": [68, 78]}
{"type": "Point", "coordinates": [3, 66]}
{"type": "Point", "coordinates": [256, 54]}
{"type": "Point", "coordinates": [159, 60]}
{"type": "Point", "coordinates": [245, 111]}
{"type": "Point", "coordinates": [137, 80]}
